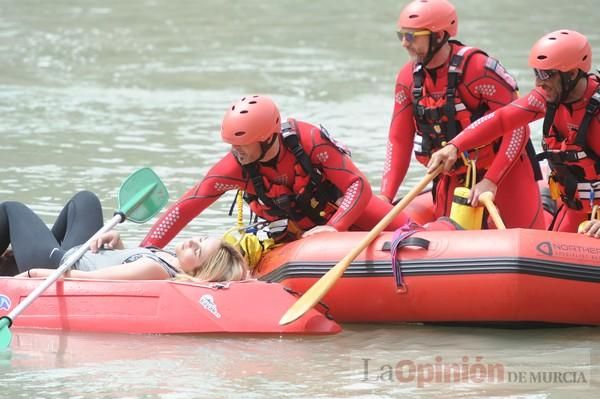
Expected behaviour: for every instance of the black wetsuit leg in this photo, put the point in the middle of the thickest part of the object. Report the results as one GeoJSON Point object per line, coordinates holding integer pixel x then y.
{"type": "Point", "coordinates": [34, 245]}
{"type": "Point", "coordinates": [80, 219]}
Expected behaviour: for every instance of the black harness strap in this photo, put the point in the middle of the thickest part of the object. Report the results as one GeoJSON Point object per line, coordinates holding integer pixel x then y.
{"type": "Point", "coordinates": [433, 136]}
{"type": "Point", "coordinates": [535, 165]}
{"type": "Point", "coordinates": [590, 112]}
{"type": "Point", "coordinates": [314, 197]}
{"type": "Point", "coordinates": [570, 175]}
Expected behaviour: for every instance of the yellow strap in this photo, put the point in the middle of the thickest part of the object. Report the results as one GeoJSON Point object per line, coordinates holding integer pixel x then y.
{"type": "Point", "coordinates": [554, 187]}
{"type": "Point", "coordinates": [251, 249]}
{"type": "Point", "coordinates": [233, 236]}
{"type": "Point", "coordinates": [471, 178]}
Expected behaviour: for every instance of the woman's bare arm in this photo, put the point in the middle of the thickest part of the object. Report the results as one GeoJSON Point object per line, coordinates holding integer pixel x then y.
{"type": "Point", "coordinates": [141, 269]}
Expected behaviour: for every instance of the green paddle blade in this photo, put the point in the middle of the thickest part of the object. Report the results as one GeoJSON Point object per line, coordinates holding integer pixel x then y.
{"type": "Point", "coordinates": [142, 195]}
{"type": "Point", "coordinates": [5, 335]}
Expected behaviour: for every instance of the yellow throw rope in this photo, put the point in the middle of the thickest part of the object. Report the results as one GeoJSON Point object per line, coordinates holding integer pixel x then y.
{"type": "Point", "coordinates": [240, 208]}
{"type": "Point", "coordinates": [248, 244]}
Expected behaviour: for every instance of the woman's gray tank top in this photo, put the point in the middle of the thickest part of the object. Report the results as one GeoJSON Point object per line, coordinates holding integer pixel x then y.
{"type": "Point", "coordinates": [109, 257]}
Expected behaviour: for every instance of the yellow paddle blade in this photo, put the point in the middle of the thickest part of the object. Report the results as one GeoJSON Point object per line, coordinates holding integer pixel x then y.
{"type": "Point", "coordinates": [324, 284]}
{"type": "Point", "coordinates": [486, 199]}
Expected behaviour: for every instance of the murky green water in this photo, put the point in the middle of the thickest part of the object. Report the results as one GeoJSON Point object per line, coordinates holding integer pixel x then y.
{"type": "Point", "coordinates": [90, 91]}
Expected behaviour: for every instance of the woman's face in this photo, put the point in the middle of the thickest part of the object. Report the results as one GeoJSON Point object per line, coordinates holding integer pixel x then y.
{"type": "Point", "coordinates": [193, 252]}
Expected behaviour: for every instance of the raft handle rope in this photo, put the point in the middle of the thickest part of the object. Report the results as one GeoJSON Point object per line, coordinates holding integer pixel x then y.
{"type": "Point", "coordinates": [471, 175]}
{"type": "Point", "coordinates": [321, 303]}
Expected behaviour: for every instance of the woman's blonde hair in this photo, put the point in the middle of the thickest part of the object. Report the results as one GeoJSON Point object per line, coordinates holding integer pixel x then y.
{"type": "Point", "coordinates": [226, 264]}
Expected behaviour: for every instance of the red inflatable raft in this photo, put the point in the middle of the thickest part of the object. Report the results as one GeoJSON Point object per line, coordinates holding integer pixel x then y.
{"type": "Point", "coordinates": [491, 276]}
{"type": "Point", "coordinates": [163, 307]}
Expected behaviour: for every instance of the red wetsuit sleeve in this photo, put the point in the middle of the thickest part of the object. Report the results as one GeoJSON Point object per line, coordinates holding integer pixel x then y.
{"type": "Point", "coordinates": [339, 169]}
{"type": "Point", "coordinates": [224, 176]}
{"type": "Point", "coordinates": [510, 150]}
{"type": "Point", "coordinates": [401, 135]}
{"type": "Point", "coordinates": [491, 86]}
{"type": "Point", "coordinates": [513, 119]}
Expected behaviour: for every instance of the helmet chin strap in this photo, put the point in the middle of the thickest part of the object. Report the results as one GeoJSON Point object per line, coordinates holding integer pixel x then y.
{"type": "Point", "coordinates": [567, 84]}
{"type": "Point", "coordinates": [266, 146]}
{"type": "Point", "coordinates": [434, 47]}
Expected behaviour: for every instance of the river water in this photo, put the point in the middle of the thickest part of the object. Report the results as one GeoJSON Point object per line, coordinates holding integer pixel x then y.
{"type": "Point", "coordinates": [91, 91]}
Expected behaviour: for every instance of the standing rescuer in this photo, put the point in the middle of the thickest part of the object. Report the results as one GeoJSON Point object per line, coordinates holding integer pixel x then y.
{"type": "Point", "coordinates": [288, 170]}
{"type": "Point", "coordinates": [567, 96]}
{"type": "Point", "coordinates": [445, 87]}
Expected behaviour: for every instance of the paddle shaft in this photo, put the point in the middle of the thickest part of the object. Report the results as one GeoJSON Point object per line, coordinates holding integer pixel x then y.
{"type": "Point", "coordinates": [486, 198]}
{"type": "Point", "coordinates": [70, 261]}
{"type": "Point", "coordinates": [324, 284]}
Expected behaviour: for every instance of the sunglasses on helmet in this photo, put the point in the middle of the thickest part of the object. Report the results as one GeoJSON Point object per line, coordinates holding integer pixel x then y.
{"type": "Point", "coordinates": [544, 74]}
{"type": "Point", "coordinates": [410, 36]}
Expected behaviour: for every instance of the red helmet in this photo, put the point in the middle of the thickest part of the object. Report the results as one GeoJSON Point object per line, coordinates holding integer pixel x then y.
{"type": "Point", "coordinates": [562, 50]}
{"type": "Point", "coordinates": [433, 15]}
{"type": "Point", "coordinates": [253, 119]}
